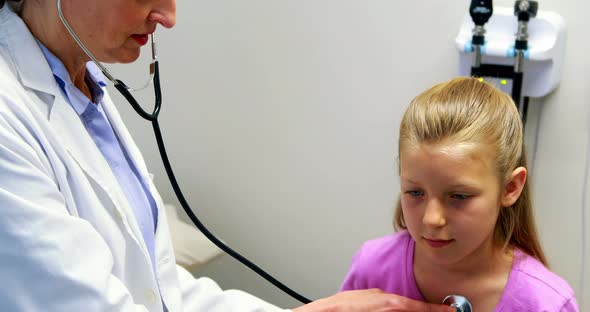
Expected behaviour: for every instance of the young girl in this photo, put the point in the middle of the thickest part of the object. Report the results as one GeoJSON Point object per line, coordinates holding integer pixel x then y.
{"type": "Point", "coordinates": [465, 209]}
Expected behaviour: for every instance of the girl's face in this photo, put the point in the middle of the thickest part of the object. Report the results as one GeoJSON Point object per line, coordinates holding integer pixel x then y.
{"type": "Point", "coordinates": [114, 30]}
{"type": "Point", "coordinates": [450, 198]}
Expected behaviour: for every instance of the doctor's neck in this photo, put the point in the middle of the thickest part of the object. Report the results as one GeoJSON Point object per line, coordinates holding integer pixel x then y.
{"type": "Point", "coordinates": [43, 21]}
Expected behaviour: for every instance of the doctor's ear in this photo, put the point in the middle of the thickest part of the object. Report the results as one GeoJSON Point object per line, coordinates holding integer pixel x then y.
{"type": "Point", "coordinates": [513, 186]}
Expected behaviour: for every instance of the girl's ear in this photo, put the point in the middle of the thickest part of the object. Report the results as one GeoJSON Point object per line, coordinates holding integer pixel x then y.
{"type": "Point", "coordinates": [514, 186]}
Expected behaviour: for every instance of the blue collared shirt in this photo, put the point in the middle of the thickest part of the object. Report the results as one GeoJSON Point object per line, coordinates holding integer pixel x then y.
{"type": "Point", "coordinates": [91, 113]}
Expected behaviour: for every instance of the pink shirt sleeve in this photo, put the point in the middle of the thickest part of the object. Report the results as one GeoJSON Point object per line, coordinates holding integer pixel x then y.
{"type": "Point", "coordinates": [533, 287]}
{"type": "Point", "coordinates": [384, 263]}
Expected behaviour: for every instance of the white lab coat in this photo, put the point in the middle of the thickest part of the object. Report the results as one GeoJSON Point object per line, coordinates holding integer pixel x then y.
{"type": "Point", "coordinates": [68, 239]}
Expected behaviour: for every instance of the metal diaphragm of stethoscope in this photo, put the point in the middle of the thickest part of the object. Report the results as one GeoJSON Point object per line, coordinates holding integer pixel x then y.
{"type": "Point", "coordinates": [459, 302]}
{"type": "Point", "coordinates": [153, 117]}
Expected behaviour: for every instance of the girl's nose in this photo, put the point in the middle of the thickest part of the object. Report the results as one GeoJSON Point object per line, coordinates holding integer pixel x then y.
{"type": "Point", "coordinates": [434, 214]}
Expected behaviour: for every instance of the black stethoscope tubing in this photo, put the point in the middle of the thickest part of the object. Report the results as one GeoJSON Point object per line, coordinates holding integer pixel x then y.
{"type": "Point", "coordinates": [153, 118]}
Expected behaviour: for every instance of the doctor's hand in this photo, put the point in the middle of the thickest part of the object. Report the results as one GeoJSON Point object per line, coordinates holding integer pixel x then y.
{"type": "Point", "coordinates": [370, 300]}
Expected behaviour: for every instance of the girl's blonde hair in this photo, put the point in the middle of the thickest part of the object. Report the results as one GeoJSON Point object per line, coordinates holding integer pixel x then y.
{"type": "Point", "coordinates": [467, 110]}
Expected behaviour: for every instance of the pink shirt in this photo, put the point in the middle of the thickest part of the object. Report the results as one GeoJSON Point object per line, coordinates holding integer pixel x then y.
{"type": "Point", "coordinates": [386, 263]}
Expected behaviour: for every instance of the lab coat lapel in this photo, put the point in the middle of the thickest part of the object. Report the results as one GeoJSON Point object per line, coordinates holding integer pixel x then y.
{"type": "Point", "coordinates": [82, 148]}
{"type": "Point", "coordinates": [33, 70]}
{"type": "Point", "coordinates": [35, 73]}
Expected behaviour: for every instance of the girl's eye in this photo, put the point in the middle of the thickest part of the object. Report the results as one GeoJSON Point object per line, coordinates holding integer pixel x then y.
{"type": "Point", "coordinates": [415, 193]}
{"type": "Point", "coordinates": [460, 196]}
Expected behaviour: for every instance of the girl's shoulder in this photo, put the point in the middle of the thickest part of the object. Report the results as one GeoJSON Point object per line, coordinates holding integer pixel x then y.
{"type": "Point", "coordinates": [388, 257]}
{"type": "Point", "coordinates": [384, 263]}
{"type": "Point", "coordinates": [533, 287]}
{"type": "Point", "coordinates": [386, 246]}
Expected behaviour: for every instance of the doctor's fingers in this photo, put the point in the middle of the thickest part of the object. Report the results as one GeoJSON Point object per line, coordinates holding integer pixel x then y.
{"type": "Point", "coordinates": [370, 300]}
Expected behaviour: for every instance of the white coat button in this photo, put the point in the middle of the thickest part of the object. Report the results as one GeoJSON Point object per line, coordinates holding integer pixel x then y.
{"type": "Point", "coordinates": [150, 296]}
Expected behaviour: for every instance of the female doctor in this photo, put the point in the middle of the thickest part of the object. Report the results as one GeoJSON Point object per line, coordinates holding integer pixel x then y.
{"type": "Point", "coordinates": [81, 223]}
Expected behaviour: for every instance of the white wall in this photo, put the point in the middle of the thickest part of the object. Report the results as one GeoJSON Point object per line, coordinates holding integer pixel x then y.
{"type": "Point", "coordinates": [281, 119]}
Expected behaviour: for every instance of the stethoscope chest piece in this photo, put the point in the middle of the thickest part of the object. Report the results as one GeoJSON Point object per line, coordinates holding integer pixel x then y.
{"type": "Point", "coordinates": [459, 302]}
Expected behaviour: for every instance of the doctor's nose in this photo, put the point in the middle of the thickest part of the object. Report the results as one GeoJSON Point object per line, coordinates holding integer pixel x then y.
{"type": "Point", "coordinates": [164, 13]}
{"type": "Point", "coordinates": [434, 214]}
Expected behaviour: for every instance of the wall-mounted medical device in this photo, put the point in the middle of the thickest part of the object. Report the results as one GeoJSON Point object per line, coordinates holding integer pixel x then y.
{"type": "Point", "coordinates": [519, 49]}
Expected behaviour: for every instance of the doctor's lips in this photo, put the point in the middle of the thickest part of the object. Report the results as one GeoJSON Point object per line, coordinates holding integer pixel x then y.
{"type": "Point", "coordinates": [142, 39]}
{"type": "Point", "coordinates": [437, 243]}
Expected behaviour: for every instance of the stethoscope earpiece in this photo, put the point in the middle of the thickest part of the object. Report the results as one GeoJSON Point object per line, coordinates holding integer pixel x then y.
{"type": "Point", "coordinates": [459, 302]}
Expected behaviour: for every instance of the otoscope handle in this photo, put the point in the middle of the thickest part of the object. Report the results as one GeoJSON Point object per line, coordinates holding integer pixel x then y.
{"type": "Point", "coordinates": [524, 10]}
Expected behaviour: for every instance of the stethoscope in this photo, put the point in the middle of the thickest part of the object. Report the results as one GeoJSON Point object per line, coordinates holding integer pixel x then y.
{"type": "Point", "coordinates": [456, 301]}
{"type": "Point", "coordinates": [153, 118]}
{"type": "Point", "coordinates": [459, 302]}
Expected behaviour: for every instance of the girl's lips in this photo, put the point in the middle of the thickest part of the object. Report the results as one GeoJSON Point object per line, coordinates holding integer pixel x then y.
{"type": "Point", "coordinates": [438, 243]}
{"type": "Point", "coordinates": [141, 39]}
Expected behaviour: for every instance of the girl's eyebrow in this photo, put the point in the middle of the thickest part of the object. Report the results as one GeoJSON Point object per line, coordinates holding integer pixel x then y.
{"type": "Point", "coordinates": [464, 185]}
{"type": "Point", "coordinates": [409, 181]}
{"type": "Point", "coordinates": [467, 184]}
